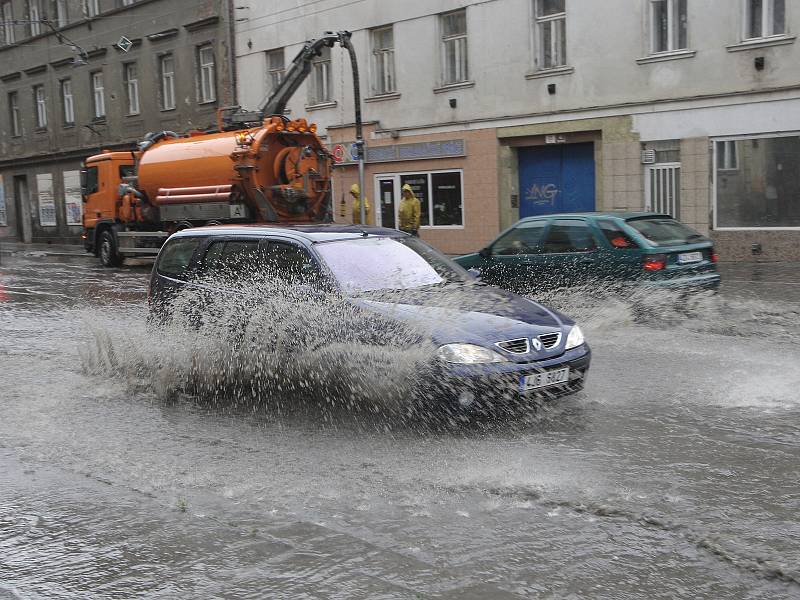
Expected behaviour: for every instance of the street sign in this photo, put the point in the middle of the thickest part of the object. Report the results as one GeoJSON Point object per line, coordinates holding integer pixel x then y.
{"type": "Point", "coordinates": [124, 44]}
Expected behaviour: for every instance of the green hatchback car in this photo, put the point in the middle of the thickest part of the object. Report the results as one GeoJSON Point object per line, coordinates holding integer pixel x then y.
{"type": "Point", "coordinates": [575, 249]}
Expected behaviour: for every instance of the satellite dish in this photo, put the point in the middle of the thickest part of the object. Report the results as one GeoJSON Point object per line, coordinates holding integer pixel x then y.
{"type": "Point", "coordinates": [124, 44]}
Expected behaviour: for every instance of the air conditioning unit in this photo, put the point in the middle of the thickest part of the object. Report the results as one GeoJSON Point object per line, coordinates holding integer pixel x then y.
{"type": "Point", "coordinates": [648, 157]}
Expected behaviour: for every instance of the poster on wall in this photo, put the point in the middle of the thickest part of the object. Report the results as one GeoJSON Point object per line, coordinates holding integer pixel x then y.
{"type": "Point", "coordinates": [47, 204]}
{"type": "Point", "coordinates": [3, 215]}
{"type": "Point", "coordinates": [72, 197]}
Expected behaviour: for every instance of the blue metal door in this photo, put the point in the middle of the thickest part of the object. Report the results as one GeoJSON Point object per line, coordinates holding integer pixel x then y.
{"type": "Point", "coordinates": [554, 179]}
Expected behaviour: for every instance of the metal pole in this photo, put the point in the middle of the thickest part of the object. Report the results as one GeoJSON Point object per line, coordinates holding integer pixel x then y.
{"type": "Point", "coordinates": [344, 37]}
{"type": "Point", "coordinates": [361, 182]}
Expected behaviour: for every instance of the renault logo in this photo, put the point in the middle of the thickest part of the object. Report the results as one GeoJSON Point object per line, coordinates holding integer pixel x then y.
{"type": "Point", "coordinates": [537, 345]}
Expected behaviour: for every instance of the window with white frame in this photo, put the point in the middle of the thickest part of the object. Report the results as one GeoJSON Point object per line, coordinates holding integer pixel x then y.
{"type": "Point", "coordinates": [321, 78]}
{"type": "Point", "coordinates": [440, 194]}
{"type": "Point", "coordinates": [92, 8]}
{"type": "Point", "coordinates": [13, 114]}
{"type": "Point", "coordinates": [757, 182]}
{"type": "Point", "coordinates": [98, 95]}
{"type": "Point", "coordinates": [207, 68]}
{"type": "Point", "coordinates": [167, 71]}
{"type": "Point", "coordinates": [67, 103]}
{"type": "Point", "coordinates": [550, 23]}
{"type": "Point", "coordinates": [8, 23]}
{"type": "Point", "coordinates": [668, 25]}
{"type": "Point", "coordinates": [276, 68]}
{"type": "Point", "coordinates": [131, 75]}
{"type": "Point", "coordinates": [383, 78]}
{"type": "Point", "coordinates": [61, 13]}
{"type": "Point", "coordinates": [40, 101]}
{"type": "Point", "coordinates": [764, 18]}
{"type": "Point", "coordinates": [34, 18]}
{"type": "Point", "coordinates": [455, 65]}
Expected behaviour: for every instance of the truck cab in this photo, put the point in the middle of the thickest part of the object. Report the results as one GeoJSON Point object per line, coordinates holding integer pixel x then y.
{"type": "Point", "coordinates": [100, 180]}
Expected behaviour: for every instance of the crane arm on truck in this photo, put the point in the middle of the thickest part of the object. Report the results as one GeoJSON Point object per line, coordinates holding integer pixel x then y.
{"type": "Point", "coordinates": [295, 75]}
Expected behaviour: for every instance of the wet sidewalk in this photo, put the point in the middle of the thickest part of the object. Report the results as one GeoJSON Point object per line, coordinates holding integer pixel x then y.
{"type": "Point", "coordinates": [22, 249]}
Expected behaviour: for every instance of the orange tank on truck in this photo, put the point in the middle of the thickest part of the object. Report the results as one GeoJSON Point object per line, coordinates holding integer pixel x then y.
{"type": "Point", "coordinates": [280, 172]}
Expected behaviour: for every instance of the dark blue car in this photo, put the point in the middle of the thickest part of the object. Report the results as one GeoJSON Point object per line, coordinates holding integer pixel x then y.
{"type": "Point", "coordinates": [488, 344]}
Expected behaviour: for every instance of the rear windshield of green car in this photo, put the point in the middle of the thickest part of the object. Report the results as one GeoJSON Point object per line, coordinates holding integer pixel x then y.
{"type": "Point", "coordinates": [663, 231]}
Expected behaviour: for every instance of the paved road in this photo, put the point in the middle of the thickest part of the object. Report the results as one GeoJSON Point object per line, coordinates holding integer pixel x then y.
{"type": "Point", "coordinates": [674, 475]}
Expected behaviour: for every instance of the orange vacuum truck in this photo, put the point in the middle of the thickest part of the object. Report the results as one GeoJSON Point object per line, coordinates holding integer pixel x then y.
{"type": "Point", "coordinates": [257, 167]}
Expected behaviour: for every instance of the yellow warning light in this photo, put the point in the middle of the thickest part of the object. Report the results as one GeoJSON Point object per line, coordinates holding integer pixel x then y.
{"type": "Point", "coordinates": [313, 128]}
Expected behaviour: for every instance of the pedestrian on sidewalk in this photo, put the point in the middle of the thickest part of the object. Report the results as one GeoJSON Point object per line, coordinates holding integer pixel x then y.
{"type": "Point", "coordinates": [409, 211]}
{"type": "Point", "coordinates": [355, 192]}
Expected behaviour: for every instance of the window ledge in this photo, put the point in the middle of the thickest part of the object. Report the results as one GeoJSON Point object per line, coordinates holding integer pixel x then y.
{"type": "Point", "coordinates": [40, 130]}
{"type": "Point", "coordinates": [550, 72]}
{"type": "Point", "coordinates": [663, 56]}
{"type": "Point", "coordinates": [68, 126]}
{"type": "Point", "coordinates": [98, 120]}
{"type": "Point", "coordinates": [765, 42]}
{"type": "Point", "coordinates": [136, 114]}
{"type": "Point", "coordinates": [453, 86]}
{"type": "Point", "coordinates": [382, 97]}
{"type": "Point", "coordinates": [321, 105]}
{"type": "Point", "coordinates": [163, 110]}
{"type": "Point", "coordinates": [206, 102]}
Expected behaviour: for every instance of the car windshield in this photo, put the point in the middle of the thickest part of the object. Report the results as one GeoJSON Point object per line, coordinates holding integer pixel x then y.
{"type": "Point", "coordinates": [379, 263]}
{"type": "Point", "coordinates": [663, 231]}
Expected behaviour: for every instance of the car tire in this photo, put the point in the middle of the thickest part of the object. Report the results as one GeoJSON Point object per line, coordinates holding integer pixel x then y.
{"type": "Point", "coordinates": [107, 250]}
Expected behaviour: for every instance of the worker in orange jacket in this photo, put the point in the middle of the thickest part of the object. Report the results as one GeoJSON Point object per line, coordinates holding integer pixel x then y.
{"type": "Point", "coordinates": [409, 211]}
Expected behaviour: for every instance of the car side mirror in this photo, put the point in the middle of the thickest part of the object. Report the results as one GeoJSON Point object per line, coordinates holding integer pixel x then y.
{"type": "Point", "coordinates": [485, 252]}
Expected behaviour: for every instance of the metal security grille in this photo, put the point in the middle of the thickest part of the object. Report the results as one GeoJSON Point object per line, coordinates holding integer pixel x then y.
{"type": "Point", "coordinates": [663, 188]}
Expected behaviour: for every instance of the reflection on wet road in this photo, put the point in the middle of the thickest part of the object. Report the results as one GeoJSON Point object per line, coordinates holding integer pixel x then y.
{"type": "Point", "coordinates": [674, 474]}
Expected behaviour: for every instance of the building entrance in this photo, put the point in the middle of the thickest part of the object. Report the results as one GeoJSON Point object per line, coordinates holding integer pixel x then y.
{"type": "Point", "coordinates": [556, 178]}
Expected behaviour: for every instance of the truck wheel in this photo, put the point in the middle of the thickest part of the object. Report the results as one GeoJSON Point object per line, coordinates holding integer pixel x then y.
{"type": "Point", "coordinates": [109, 257]}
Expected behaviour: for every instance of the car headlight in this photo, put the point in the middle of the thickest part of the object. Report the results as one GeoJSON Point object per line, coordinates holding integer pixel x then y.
{"type": "Point", "coordinates": [468, 354]}
{"type": "Point", "coordinates": [575, 338]}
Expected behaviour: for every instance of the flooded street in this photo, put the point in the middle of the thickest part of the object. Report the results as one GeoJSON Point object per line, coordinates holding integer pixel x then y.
{"type": "Point", "coordinates": [672, 475]}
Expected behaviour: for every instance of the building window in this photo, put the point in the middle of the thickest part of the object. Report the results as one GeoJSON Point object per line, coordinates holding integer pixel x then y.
{"type": "Point", "coordinates": [40, 101]}
{"type": "Point", "coordinates": [67, 104]}
{"type": "Point", "coordinates": [440, 195]}
{"type": "Point", "coordinates": [34, 18]}
{"type": "Point", "coordinates": [726, 156]}
{"type": "Point", "coordinates": [131, 75]}
{"type": "Point", "coordinates": [167, 69]}
{"type": "Point", "coordinates": [454, 47]}
{"type": "Point", "coordinates": [8, 23]}
{"type": "Point", "coordinates": [756, 182]}
{"type": "Point", "coordinates": [550, 33]}
{"type": "Point", "coordinates": [321, 78]}
{"type": "Point", "coordinates": [763, 18]}
{"type": "Point", "coordinates": [92, 8]}
{"type": "Point", "coordinates": [208, 92]}
{"type": "Point", "coordinates": [668, 25]}
{"type": "Point", "coordinates": [13, 114]}
{"type": "Point", "coordinates": [275, 69]}
{"type": "Point", "coordinates": [3, 214]}
{"type": "Point", "coordinates": [61, 13]}
{"type": "Point", "coordinates": [98, 95]}
{"type": "Point", "coordinates": [383, 81]}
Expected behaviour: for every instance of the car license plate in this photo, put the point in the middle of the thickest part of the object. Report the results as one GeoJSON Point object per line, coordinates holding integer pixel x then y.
{"type": "Point", "coordinates": [540, 380]}
{"type": "Point", "coordinates": [689, 257]}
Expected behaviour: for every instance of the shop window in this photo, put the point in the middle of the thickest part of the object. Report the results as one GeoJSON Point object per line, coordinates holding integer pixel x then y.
{"type": "Point", "coordinates": [757, 183]}
{"type": "Point", "coordinates": [440, 195]}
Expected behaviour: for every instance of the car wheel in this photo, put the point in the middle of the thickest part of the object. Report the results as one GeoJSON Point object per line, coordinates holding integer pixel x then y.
{"type": "Point", "coordinates": [109, 256]}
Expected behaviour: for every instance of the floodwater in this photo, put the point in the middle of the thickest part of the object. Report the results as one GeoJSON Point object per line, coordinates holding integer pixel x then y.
{"type": "Point", "coordinates": [674, 474]}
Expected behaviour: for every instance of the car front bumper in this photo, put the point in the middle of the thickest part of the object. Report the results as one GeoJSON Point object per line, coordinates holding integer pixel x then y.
{"type": "Point", "coordinates": [486, 386]}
